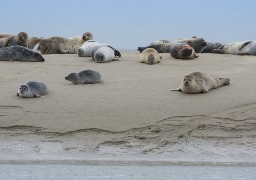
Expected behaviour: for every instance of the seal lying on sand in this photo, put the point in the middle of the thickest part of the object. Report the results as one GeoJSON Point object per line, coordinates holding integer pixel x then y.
{"type": "Point", "coordinates": [86, 49]}
{"type": "Point", "coordinates": [197, 43]}
{"type": "Point", "coordinates": [105, 53]}
{"type": "Point", "coordinates": [58, 45]}
{"type": "Point", "coordinates": [182, 51]}
{"type": "Point", "coordinates": [86, 36]}
{"type": "Point", "coordinates": [150, 56]}
{"type": "Point", "coordinates": [84, 77]}
{"type": "Point", "coordinates": [211, 46]}
{"type": "Point", "coordinates": [32, 89]}
{"type": "Point", "coordinates": [21, 39]}
{"type": "Point", "coordinates": [19, 53]}
{"type": "Point", "coordinates": [198, 82]}
{"type": "Point", "coordinates": [238, 48]}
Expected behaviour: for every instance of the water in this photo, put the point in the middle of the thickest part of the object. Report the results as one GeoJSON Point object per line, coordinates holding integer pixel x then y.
{"type": "Point", "coordinates": [123, 172]}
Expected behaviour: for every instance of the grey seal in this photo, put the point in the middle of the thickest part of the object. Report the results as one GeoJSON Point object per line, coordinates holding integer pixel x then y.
{"type": "Point", "coordinates": [182, 51]}
{"type": "Point", "coordinates": [58, 45]}
{"type": "Point", "coordinates": [238, 48]}
{"type": "Point", "coordinates": [198, 82]}
{"type": "Point", "coordinates": [150, 56]}
{"type": "Point", "coordinates": [32, 89]}
{"type": "Point", "coordinates": [84, 77]}
{"type": "Point", "coordinates": [21, 39]}
{"type": "Point", "coordinates": [164, 46]}
{"type": "Point", "coordinates": [19, 53]}
{"type": "Point", "coordinates": [105, 53]}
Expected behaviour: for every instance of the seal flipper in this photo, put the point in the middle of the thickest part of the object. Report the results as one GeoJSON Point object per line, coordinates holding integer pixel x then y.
{"type": "Point", "coordinates": [63, 51]}
{"type": "Point", "coordinates": [218, 51]}
{"type": "Point", "coordinates": [176, 90]}
{"type": "Point", "coordinates": [244, 44]}
{"type": "Point", "coordinates": [36, 95]}
{"type": "Point", "coordinates": [140, 49]}
{"type": "Point", "coordinates": [156, 47]}
{"type": "Point", "coordinates": [116, 52]}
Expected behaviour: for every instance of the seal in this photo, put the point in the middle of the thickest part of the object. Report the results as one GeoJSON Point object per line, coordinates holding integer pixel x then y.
{"type": "Point", "coordinates": [211, 46]}
{"type": "Point", "coordinates": [84, 77]}
{"type": "Point", "coordinates": [32, 89]}
{"type": "Point", "coordinates": [164, 46]}
{"type": "Point", "coordinates": [105, 53]}
{"type": "Point", "coordinates": [33, 41]}
{"type": "Point", "coordinates": [21, 39]}
{"type": "Point", "coordinates": [19, 53]}
{"type": "Point", "coordinates": [150, 56]}
{"type": "Point", "coordinates": [58, 45]}
{"type": "Point", "coordinates": [238, 48]}
{"type": "Point", "coordinates": [86, 36]}
{"type": "Point", "coordinates": [86, 49]}
{"type": "Point", "coordinates": [182, 51]}
{"type": "Point", "coordinates": [198, 82]}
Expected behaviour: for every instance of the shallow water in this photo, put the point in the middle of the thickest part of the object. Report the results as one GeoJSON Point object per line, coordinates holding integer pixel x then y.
{"type": "Point", "coordinates": [123, 172]}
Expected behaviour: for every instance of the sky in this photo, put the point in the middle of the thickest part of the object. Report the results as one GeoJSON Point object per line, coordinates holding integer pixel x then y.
{"type": "Point", "coordinates": [127, 24]}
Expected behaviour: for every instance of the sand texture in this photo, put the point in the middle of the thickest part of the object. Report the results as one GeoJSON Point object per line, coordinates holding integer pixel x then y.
{"type": "Point", "coordinates": [131, 113]}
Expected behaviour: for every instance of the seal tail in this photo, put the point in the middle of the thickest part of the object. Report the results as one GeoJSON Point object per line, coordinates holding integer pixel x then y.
{"type": "Point", "coordinates": [224, 81]}
{"type": "Point", "coordinates": [141, 49]}
{"type": "Point", "coordinates": [151, 59]}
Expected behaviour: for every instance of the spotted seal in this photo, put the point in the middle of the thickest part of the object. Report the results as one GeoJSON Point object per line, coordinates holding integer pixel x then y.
{"type": "Point", "coordinates": [182, 51]}
{"type": "Point", "coordinates": [150, 56]}
{"type": "Point", "coordinates": [58, 45]}
{"type": "Point", "coordinates": [211, 46]}
{"type": "Point", "coordinates": [19, 53]}
{"type": "Point", "coordinates": [86, 49]}
{"type": "Point", "coordinates": [86, 36]}
{"type": "Point", "coordinates": [164, 47]}
{"type": "Point", "coordinates": [21, 39]}
{"type": "Point", "coordinates": [84, 77]}
{"type": "Point", "coordinates": [238, 48]}
{"type": "Point", "coordinates": [105, 53]}
{"type": "Point", "coordinates": [32, 89]}
{"type": "Point", "coordinates": [198, 82]}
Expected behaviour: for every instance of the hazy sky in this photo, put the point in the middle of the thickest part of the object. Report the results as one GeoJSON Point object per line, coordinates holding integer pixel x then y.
{"type": "Point", "coordinates": [127, 24]}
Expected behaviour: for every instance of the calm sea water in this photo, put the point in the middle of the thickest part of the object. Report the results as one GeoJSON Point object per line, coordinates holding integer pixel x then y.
{"type": "Point", "coordinates": [123, 172]}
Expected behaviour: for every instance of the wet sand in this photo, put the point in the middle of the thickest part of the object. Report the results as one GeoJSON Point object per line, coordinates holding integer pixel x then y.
{"type": "Point", "coordinates": [131, 115]}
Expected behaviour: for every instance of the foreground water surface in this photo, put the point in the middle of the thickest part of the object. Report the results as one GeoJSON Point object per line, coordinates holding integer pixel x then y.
{"type": "Point", "coordinates": [123, 172]}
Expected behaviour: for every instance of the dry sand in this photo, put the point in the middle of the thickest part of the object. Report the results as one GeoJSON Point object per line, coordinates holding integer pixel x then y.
{"type": "Point", "coordinates": [131, 115]}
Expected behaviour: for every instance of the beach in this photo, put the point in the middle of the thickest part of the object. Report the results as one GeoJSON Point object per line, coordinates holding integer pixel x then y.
{"type": "Point", "coordinates": [132, 115]}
